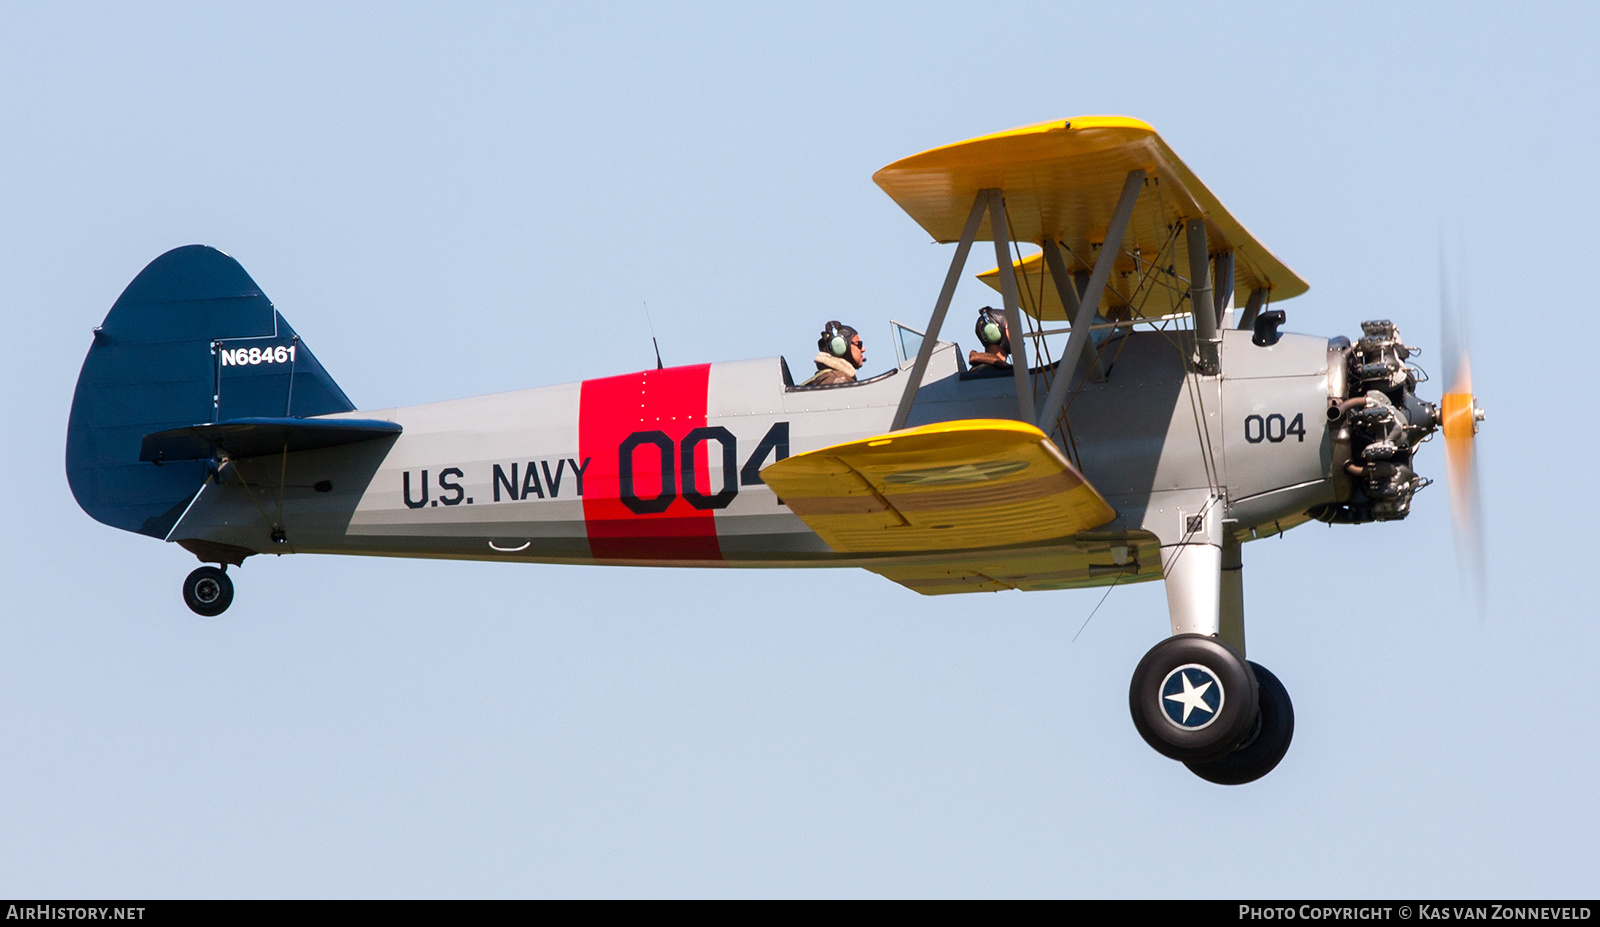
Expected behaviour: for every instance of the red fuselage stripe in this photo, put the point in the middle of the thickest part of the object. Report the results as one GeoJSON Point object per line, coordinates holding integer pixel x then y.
{"type": "Point", "coordinates": [641, 514]}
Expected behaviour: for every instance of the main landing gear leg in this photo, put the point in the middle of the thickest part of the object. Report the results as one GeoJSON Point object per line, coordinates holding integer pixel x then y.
{"type": "Point", "coordinates": [1231, 611]}
{"type": "Point", "coordinates": [1194, 697]}
{"type": "Point", "coordinates": [1194, 587]}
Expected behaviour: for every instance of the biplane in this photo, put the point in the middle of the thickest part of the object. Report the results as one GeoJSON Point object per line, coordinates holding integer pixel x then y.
{"type": "Point", "coordinates": [1154, 420]}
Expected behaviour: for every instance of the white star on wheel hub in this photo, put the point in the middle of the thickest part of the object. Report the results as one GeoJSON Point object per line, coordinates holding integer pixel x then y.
{"type": "Point", "coordinates": [1201, 697]}
{"type": "Point", "coordinates": [1191, 698]}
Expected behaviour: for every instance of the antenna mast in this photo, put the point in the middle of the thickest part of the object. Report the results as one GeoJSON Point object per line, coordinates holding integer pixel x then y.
{"type": "Point", "coordinates": [653, 343]}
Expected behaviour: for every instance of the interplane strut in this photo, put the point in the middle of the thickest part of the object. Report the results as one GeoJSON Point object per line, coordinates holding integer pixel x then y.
{"type": "Point", "coordinates": [946, 293]}
{"type": "Point", "coordinates": [1089, 302]}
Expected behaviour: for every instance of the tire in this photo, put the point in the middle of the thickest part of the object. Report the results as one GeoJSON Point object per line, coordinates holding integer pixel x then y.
{"type": "Point", "coordinates": [208, 591]}
{"type": "Point", "coordinates": [1264, 746]}
{"type": "Point", "coordinates": [1212, 712]}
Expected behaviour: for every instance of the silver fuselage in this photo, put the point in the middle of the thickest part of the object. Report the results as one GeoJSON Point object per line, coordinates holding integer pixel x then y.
{"type": "Point", "coordinates": [1157, 439]}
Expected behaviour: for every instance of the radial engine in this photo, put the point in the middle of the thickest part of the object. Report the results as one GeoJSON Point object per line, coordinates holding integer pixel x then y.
{"type": "Point", "coordinates": [1379, 423]}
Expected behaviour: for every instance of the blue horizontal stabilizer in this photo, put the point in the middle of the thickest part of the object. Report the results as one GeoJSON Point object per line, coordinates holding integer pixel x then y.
{"type": "Point", "coordinates": [256, 437]}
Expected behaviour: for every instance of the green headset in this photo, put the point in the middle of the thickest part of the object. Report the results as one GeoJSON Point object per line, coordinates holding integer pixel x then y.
{"type": "Point", "coordinates": [836, 339]}
{"type": "Point", "coordinates": [991, 327]}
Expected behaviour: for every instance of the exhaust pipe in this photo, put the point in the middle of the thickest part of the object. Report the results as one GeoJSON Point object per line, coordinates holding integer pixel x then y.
{"type": "Point", "coordinates": [1338, 411]}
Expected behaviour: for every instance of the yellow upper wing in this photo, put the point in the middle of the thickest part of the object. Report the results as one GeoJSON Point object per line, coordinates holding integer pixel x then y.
{"type": "Point", "coordinates": [1061, 180]}
{"type": "Point", "coordinates": [959, 485]}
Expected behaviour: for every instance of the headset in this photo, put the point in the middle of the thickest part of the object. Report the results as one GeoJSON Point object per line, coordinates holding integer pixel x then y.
{"type": "Point", "coordinates": [991, 328]}
{"type": "Point", "coordinates": [836, 340]}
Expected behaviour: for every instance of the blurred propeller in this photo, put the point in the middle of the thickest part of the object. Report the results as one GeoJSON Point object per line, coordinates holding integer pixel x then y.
{"type": "Point", "coordinates": [1459, 417]}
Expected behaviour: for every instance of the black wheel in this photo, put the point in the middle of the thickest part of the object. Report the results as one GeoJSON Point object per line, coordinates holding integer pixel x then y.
{"type": "Point", "coordinates": [1266, 743]}
{"type": "Point", "coordinates": [208, 591]}
{"type": "Point", "coordinates": [1193, 697]}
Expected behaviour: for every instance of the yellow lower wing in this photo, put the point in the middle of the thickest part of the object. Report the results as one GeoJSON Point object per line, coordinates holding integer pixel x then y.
{"type": "Point", "coordinates": [952, 486]}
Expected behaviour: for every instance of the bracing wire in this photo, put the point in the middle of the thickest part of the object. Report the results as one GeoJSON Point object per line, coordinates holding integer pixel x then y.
{"type": "Point", "coordinates": [1114, 580]}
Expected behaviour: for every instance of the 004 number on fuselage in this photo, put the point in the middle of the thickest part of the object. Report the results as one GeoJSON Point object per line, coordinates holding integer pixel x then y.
{"type": "Point", "coordinates": [1274, 428]}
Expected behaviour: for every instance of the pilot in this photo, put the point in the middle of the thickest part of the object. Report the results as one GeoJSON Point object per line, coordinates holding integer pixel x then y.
{"type": "Point", "coordinates": [840, 355]}
{"type": "Point", "coordinates": [993, 335]}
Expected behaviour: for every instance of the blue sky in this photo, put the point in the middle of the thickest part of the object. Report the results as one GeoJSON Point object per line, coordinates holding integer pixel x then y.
{"type": "Point", "coordinates": [451, 201]}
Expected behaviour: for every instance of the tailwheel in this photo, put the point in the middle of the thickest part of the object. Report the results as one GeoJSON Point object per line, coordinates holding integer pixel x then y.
{"type": "Point", "coordinates": [208, 591]}
{"type": "Point", "coordinates": [1264, 746]}
{"type": "Point", "coordinates": [1193, 698]}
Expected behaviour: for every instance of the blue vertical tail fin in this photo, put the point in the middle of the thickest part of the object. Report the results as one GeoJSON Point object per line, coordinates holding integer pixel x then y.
{"type": "Point", "coordinates": [192, 339]}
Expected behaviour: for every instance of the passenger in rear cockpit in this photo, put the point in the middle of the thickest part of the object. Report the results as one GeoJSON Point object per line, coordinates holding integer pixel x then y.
{"type": "Point", "coordinates": [840, 355]}
{"type": "Point", "coordinates": [994, 337]}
